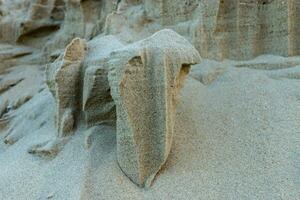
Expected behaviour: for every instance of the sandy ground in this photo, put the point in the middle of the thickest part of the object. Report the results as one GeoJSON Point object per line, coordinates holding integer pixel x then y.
{"type": "Point", "coordinates": [237, 137]}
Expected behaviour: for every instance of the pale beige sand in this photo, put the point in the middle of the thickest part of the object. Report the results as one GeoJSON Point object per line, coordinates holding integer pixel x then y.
{"type": "Point", "coordinates": [237, 137]}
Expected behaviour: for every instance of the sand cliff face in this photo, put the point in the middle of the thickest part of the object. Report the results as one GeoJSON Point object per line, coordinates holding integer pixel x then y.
{"type": "Point", "coordinates": [236, 29]}
{"type": "Point", "coordinates": [232, 133]}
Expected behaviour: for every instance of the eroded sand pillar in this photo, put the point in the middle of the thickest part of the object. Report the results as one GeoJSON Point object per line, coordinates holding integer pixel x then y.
{"type": "Point", "coordinates": [64, 79]}
{"type": "Point", "coordinates": [145, 80]}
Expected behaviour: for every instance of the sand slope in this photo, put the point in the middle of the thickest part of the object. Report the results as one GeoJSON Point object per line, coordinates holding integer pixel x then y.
{"type": "Point", "coordinates": [237, 137]}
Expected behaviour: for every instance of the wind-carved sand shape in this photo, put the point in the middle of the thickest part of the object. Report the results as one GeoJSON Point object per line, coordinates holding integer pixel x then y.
{"type": "Point", "coordinates": [145, 80]}
{"type": "Point", "coordinates": [64, 82]}
{"type": "Point", "coordinates": [97, 104]}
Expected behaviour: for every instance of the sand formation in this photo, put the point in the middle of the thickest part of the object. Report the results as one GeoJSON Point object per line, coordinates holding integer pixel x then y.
{"type": "Point", "coordinates": [144, 80]}
{"type": "Point", "coordinates": [96, 95]}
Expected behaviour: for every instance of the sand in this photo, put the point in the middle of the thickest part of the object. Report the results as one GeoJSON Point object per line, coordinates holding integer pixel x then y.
{"type": "Point", "coordinates": [237, 137]}
{"type": "Point", "coordinates": [237, 130]}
